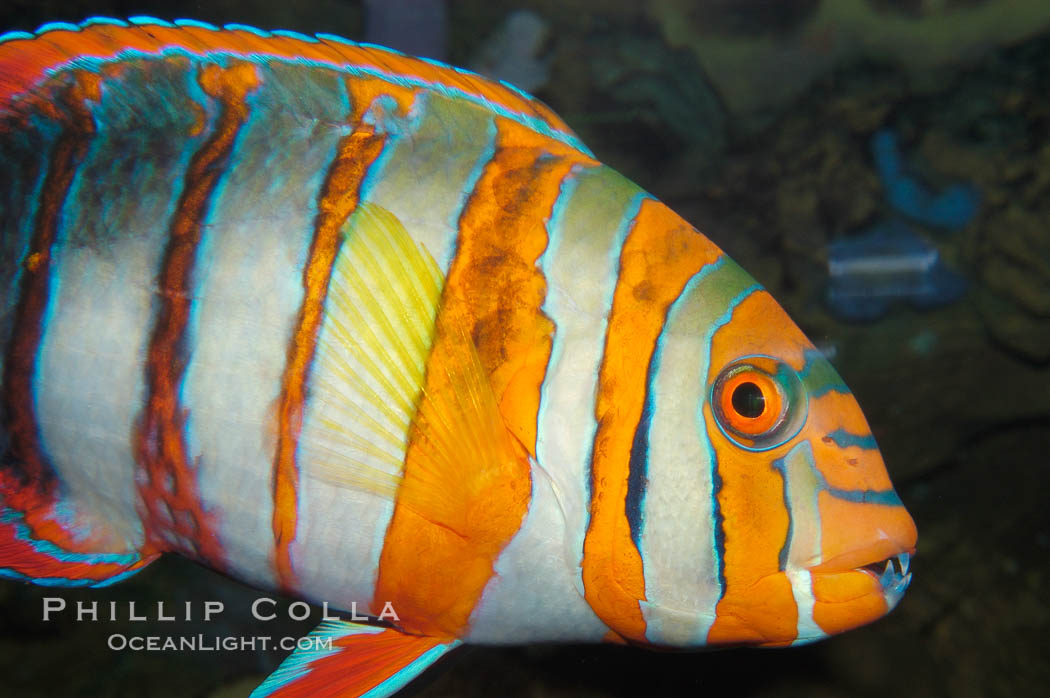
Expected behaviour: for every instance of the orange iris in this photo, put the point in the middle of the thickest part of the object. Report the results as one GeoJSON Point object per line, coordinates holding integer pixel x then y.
{"type": "Point", "coordinates": [750, 402]}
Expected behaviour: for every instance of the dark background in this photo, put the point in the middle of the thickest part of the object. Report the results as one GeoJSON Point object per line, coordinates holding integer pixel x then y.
{"type": "Point", "coordinates": [753, 119]}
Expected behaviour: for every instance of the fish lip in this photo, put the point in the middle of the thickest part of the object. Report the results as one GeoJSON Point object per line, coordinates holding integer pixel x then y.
{"type": "Point", "coordinates": [878, 553]}
{"type": "Point", "coordinates": [889, 565]}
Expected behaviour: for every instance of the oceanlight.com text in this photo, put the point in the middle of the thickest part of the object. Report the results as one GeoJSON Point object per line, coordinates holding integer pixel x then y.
{"type": "Point", "coordinates": [119, 642]}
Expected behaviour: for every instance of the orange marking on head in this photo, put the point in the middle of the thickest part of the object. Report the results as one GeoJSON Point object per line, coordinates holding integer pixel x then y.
{"type": "Point", "coordinates": [847, 600]}
{"type": "Point", "coordinates": [339, 197]}
{"type": "Point", "coordinates": [661, 253]}
{"type": "Point", "coordinates": [855, 534]}
{"type": "Point", "coordinates": [844, 467]}
{"type": "Point", "coordinates": [170, 496]}
{"type": "Point", "coordinates": [779, 336]}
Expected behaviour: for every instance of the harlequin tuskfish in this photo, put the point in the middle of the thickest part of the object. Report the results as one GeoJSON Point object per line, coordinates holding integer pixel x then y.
{"type": "Point", "coordinates": [375, 331]}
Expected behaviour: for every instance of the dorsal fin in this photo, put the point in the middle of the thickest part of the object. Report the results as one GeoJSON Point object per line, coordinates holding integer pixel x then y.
{"type": "Point", "coordinates": [27, 60]}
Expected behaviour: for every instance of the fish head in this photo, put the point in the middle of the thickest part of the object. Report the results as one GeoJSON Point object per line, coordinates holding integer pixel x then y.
{"type": "Point", "coordinates": [768, 517]}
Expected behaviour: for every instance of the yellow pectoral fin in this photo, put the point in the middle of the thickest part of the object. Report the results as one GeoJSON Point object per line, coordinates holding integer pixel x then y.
{"type": "Point", "coordinates": [368, 371]}
{"type": "Point", "coordinates": [465, 491]}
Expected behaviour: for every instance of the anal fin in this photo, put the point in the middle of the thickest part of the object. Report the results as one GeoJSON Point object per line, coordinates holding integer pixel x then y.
{"type": "Point", "coordinates": [352, 659]}
{"type": "Point", "coordinates": [43, 541]}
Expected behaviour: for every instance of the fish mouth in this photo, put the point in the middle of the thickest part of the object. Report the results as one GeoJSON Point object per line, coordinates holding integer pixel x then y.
{"type": "Point", "coordinates": [887, 562]}
{"type": "Point", "coordinates": [893, 575]}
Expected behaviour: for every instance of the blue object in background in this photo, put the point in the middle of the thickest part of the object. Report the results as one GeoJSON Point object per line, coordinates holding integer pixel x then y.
{"type": "Point", "coordinates": [952, 208]}
{"type": "Point", "coordinates": [888, 263]}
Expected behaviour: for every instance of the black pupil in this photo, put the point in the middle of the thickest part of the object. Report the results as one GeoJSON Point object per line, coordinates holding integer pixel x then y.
{"type": "Point", "coordinates": [748, 400]}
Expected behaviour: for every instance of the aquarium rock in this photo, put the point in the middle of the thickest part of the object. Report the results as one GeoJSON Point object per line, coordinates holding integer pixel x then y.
{"type": "Point", "coordinates": [889, 263]}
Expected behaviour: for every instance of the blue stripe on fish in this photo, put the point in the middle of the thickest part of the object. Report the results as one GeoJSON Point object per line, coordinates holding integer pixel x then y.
{"type": "Point", "coordinates": [637, 465]}
{"type": "Point", "coordinates": [819, 376]}
{"type": "Point", "coordinates": [195, 23]}
{"type": "Point", "coordinates": [884, 497]}
{"type": "Point", "coordinates": [251, 30]}
{"type": "Point", "coordinates": [845, 439]}
{"type": "Point", "coordinates": [90, 21]}
{"type": "Point", "coordinates": [58, 26]}
{"type": "Point", "coordinates": [145, 20]}
{"type": "Point", "coordinates": [781, 467]}
{"type": "Point", "coordinates": [289, 34]}
{"type": "Point", "coordinates": [63, 582]}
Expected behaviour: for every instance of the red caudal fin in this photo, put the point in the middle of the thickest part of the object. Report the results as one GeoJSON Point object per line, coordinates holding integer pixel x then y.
{"type": "Point", "coordinates": [340, 658]}
{"type": "Point", "coordinates": [45, 540]}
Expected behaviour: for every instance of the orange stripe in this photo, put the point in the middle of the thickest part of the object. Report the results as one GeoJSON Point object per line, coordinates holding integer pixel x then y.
{"type": "Point", "coordinates": [170, 495]}
{"type": "Point", "coordinates": [757, 605]}
{"type": "Point", "coordinates": [465, 492]}
{"type": "Point", "coordinates": [780, 337]}
{"type": "Point", "coordinates": [494, 277]}
{"type": "Point", "coordinates": [467, 482]}
{"type": "Point", "coordinates": [661, 253]}
{"type": "Point", "coordinates": [33, 473]}
{"type": "Point", "coordinates": [339, 197]}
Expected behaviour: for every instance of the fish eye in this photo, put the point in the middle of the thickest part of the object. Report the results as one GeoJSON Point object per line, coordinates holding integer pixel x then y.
{"type": "Point", "coordinates": [758, 402]}
{"type": "Point", "coordinates": [748, 400]}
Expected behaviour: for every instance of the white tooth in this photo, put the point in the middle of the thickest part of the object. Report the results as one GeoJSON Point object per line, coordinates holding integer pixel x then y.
{"type": "Point", "coordinates": [905, 560]}
{"type": "Point", "coordinates": [888, 575]}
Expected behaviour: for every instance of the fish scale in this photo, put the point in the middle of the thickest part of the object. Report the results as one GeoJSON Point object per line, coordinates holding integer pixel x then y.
{"type": "Point", "coordinates": [378, 332]}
